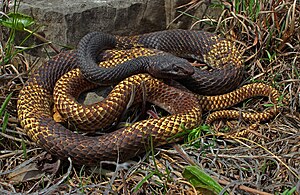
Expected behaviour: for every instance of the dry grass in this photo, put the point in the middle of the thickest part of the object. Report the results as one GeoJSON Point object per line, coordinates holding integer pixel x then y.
{"type": "Point", "coordinates": [265, 160]}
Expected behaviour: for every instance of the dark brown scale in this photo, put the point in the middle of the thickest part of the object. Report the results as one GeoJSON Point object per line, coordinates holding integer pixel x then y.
{"type": "Point", "coordinates": [162, 65]}
{"type": "Point", "coordinates": [188, 44]}
{"type": "Point", "coordinates": [197, 45]}
{"type": "Point", "coordinates": [225, 64]}
{"type": "Point", "coordinates": [35, 115]}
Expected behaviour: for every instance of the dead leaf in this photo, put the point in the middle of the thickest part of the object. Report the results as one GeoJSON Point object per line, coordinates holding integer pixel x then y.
{"type": "Point", "coordinates": [27, 173]}
{"type": "Point", "coordinates": [48, 164]}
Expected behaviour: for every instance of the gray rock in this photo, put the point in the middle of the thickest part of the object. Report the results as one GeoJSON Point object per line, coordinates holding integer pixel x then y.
{"type": "Point", "coordinates": [66, 22]}
{"type": "Point", "coordinates": [95, 95]}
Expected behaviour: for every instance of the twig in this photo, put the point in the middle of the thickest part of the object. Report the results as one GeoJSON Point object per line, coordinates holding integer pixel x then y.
{"type": "Point", "coordinates": [16, 139]}
{"type": "Point", "coordinates": [43, 39]}
{"type": "Point", "coordinates": [224, 182]}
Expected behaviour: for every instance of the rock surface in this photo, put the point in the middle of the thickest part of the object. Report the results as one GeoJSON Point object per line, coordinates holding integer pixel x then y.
{"type": "Point", "coordinates": [66, 21]}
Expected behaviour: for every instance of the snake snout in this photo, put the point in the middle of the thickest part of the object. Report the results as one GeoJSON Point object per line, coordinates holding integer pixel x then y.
{"type": "Point", "coordinates": [171, 67]}
{"type": "Point", "coordinates": [183, 69]}
{"type": "Point", "coordinates": [178, 69]}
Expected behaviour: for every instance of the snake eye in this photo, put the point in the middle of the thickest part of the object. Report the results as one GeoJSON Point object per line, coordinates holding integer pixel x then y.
{"type": "Point", "coordinates": [176, 68]}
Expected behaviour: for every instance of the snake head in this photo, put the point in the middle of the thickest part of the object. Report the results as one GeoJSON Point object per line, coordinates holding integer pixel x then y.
{"type": "Point", "coordinates": [170, 66]}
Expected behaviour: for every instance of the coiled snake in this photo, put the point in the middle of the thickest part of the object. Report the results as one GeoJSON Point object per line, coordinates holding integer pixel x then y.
{"type": "Point", "coordinates": [216, 52]}
{"type": "Point", "coordinates": [35, 105]}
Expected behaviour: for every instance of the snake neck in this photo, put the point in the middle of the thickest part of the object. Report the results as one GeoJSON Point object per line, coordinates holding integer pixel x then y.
{"type": "Point", "coordinates": [112, 75]}
{"type": "Point", "coordinates": [163, 65]}
{"type": "Point", "coordinates": [89, 48]}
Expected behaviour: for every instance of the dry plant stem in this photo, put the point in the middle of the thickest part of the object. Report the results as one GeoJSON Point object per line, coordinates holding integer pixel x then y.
{"type": "Point", "coordinates": [16, 139]}
{"type": "Point", "coordinates": [242, 187]}
{"type": "Point", "coordinates": [124, 183]}
{"type": "Point", "coordinates": [43, 39]}
{"type": "Point", "coordinates": [224, 182]}
{"type": "Point", "coordinates": [289, 32]}
{"type": "Point", "coordinates": [273, 155]}
{"type": "Point", "coordinates": [16, 152]}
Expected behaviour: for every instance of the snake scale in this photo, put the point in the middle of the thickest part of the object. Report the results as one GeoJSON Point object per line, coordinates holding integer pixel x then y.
{"type": "Point", "coordinates": [35, 103]}
{"type": "Point", "coordinates": [216, 52]}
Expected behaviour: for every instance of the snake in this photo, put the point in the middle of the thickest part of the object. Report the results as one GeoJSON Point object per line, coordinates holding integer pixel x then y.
{"type": "Point", "coordinates": [219, 54]}
{"type": "Point", "coordinates": [35, 110]}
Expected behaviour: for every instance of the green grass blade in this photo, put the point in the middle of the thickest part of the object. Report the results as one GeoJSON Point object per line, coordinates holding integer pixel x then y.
{"type": "Point", "coordinates": [4, 105]}
{"type": "Point", "coordinates": [5, 121]}
{"type": "Point", "coordinates": [200, 179]}
{"type": "Point", "coordinates": [289, 191]}
{"type": "Point", "coordinates": [192, 16]}
{"type": "Point", "coordinates": [24, 149]}
{"type": "Point", "coordinates": [139, 185]}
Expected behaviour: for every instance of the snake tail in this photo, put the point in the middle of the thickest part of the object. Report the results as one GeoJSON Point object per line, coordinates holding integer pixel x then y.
{"type": "Point", "coordinates": [211, 103]}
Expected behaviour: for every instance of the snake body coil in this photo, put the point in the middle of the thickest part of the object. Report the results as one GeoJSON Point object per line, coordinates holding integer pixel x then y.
{"type": "Point", "coordinates": [223, 58]}
{"type": "Point", "coordinates": [35, 106]}
{"type": "Point", "coordinates": [35, 114]}
{"type": "Point", "coordinates": [161, 65]}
